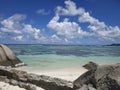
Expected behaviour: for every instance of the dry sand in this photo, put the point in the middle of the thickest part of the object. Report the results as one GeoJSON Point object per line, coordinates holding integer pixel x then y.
{"type": "Point", "coordinates": [69, 74]}
{"type": "Point", "coordinates": [6, 86]}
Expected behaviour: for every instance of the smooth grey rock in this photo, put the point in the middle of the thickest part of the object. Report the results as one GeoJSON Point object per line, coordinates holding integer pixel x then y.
{"type": "Point", "coordinates": [5, 72]}
{"type": "Point", "coordinates": [91, 65]}
{"type": "Point", "coordinates": [46, 82]}
{"type": "Point", "coordinates": [27, 86]}
{"type": "Point", "coordinates": [19, 75]}
{"type": "Point", "coordinates": [49, 83]}
{"type": "Point", "coordinates": [91, 88]}
{"type": "Point", "coordinates": [85, 79]}
{"type": "Point", "coordinates": [22, 85]}
{"type": "Point", "coordinates": [31, 87]}
{"type": "Point", "coordinates": [7, 57]}
{"type": "Point", "coordinates": [108, 77]}
{"type": "Point", "coordinates": [13, 82]}
{"type": "Point", "coordinates": [104, 77]}
{"type": "Point", "coordinates": [2, 78]}
{"type": "Point", "coordinates": [84, 87]}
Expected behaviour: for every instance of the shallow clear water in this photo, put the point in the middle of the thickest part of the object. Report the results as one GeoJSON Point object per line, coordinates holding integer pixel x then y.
{"type": "Point", "coordinates": [59, 56]}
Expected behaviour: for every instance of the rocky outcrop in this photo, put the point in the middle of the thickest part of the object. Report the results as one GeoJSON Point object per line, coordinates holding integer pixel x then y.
{"type": "Point", "coordinates": [91, 65]}
{"type": "Point", "coordinates": [85, 79]}
{"type": "Point", "coordinates": [8, 58]}
{"type": "Point", "coordinates": [105, 77]}
{"type": "Point", "coordinates": [25, 80]}
{"type": "Point", "coordinates": [13, 82]}
{"type": "Point", "coordinates": [108, 77]}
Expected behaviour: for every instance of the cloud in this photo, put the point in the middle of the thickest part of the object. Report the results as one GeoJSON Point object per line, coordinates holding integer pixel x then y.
{"type": "Point", "coordinates": [12, 24]}
{"type": "Point", "coordinates": [70, 9]}
{"type": "Point", "coordinates": [66, 28]}
{"type": "Point", "coordinates": [95, 28]}
{"type": "Point", "coordinates": [42, 11]}
{"type": "Point", "coordinates": [55, 38]}
{"type": "Point", "coordinates": [100, 29]}
{"type": "Point", "coordinates": [14, 28]}
{"type": "Point", "coordinates": [111, 33]}
{"type": "Point", "coordinates": [33, 32]}
{"type": "Point", "coordinates": [93, 21]}
{"type": "Point", "coordinates": [18, 38]}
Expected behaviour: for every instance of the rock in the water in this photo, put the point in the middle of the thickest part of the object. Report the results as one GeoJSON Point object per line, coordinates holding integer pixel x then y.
{"type": "Point", "coordinates": [7, 57]}
{"type": "Point", "coordinates": [105, 77]}
{"type": "Point", "coordinates": [90, 65]}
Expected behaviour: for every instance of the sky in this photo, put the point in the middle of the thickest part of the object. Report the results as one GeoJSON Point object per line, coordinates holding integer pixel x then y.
{"type": "Point", "coordinates": [84, 22]}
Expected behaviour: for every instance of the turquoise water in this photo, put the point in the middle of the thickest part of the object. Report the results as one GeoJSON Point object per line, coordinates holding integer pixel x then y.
{"type": "Point", "coordinates": [59, 56]}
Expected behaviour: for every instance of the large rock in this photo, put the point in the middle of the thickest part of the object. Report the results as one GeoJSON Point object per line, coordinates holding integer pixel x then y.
{"type": "Point", "coordinates": [25, 80]}
{"type": "Point", "coordinates": [105, 77]}
{"type": "Point", "coordinates": [7, 57]}
{"type": "Point", "coordinates": [108, 77]}
{"type": "Point", "coordinates": [85, 79]}
{"type": "Point", "coordinates": [49, 83]}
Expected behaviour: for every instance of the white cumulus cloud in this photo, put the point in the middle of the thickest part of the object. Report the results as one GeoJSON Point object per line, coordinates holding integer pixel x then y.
{"type": "Point", "coordinates": [55, 38]}
{"type": "Point", "coordinates": [12, 24]}
{"type": "Point", "coordinates": [66, 28]}
{"type": "Point", "coordinates": [70, 9]}
{"type": "Point", "coordinates": [33, 32]}
{"type": "Point", "coordinates": [96, 28]}
{"type": "Point", "coordinates": [14, 28]}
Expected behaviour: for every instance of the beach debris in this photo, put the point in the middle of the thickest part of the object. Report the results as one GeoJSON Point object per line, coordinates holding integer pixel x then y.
{"type": "Point", "coordinates": [8, 58]}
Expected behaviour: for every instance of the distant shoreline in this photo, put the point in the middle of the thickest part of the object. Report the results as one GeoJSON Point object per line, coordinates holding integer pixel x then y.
{"type": "Point", "coordinates": [66, 44]}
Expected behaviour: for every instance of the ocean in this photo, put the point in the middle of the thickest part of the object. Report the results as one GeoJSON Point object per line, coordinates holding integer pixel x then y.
{"type": "Point", "coordinates": [65, 56]}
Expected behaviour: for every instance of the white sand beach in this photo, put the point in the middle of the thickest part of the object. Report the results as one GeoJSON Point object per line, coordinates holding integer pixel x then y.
{"type": "Point", "coordinates": [6, 86]}
{"type": "Point", "coordinates": [69, 74]}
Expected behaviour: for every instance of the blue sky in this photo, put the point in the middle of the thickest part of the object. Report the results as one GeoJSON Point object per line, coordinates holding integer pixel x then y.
{"type": "Point", "coordinates": [59, 21]}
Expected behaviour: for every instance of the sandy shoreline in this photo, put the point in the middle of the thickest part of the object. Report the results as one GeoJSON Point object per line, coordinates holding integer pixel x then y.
{"type": "Point", "coordinates": [67, 73]}
{"type": "Point", "coordinates": [6, 86]}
